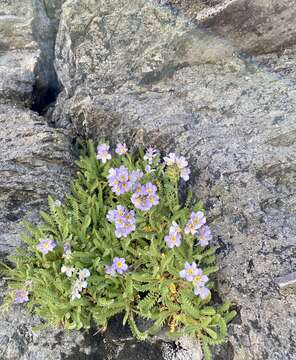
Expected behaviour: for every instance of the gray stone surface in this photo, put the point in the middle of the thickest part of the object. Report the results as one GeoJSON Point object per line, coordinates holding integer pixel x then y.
{"type": "Point", "coordinates": [142, 73]}
{"type": "Point", "coordinates": [253, 26]}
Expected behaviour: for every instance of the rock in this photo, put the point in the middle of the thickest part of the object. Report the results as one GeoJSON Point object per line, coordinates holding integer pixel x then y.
{"type": "Point", "coordinates": [253, 26]}
{"type": "Point", "coordinates": [140, 72]}
{"type": "Point", "coordinates": [36, 162]}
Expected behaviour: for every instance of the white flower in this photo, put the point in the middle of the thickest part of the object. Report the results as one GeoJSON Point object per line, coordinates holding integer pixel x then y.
{"type": "Point", "coordinates": [83, 274]}
{"type": "Point", "coordinates": [185, 172]}
{"type": "Point", "coordinates": [77, 288]}
{"type": "Point", "coordinates": [181, 162]}
{"type": "Point", "coordinates": [68, 270]}
{"type": "Point", "coordinates": [58, 203]}
{"type": "Point", "coordinates": [170, 160]}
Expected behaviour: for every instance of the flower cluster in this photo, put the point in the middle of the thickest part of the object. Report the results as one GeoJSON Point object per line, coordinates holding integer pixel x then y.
{"type": "Point", "coordinates": [145, 197]}
{"type": "Point", "coordinates": [173, 239]}
{"type": "Point", "coordinates": [46, 245]}
{"type": "Point", "coordinates": [123, 220]}
{"type": "Point", "coordinates": [195, 275]}
{"type": "Point", "coordinates": [79, 284]}
{"type": "Point", "coordinates": [118, 267]}
{"type": "Point", "coordinates": [121, 181]}
{"type": "Point", "coordinates": [180, 162]}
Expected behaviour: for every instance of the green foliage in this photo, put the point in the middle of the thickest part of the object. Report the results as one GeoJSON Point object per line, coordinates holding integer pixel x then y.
{"type": "Point", "coordinates": [151, 289]}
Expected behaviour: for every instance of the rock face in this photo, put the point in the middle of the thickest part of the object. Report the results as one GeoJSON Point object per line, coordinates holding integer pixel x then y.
{"type": "Point", "coordinates": [253, 26]}
{"type": "Point", "coordinates": [139, 71]}
{"type": "Point", "coordinates": [154, 72]}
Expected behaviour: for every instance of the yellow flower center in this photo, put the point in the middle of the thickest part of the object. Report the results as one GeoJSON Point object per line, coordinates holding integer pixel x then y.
{"type": "Point", "coordinates": [119, 264]}
{"type": "Point", "coordinates": [197, 278]}
{"type": "Point", "coordinates": [190, 271]}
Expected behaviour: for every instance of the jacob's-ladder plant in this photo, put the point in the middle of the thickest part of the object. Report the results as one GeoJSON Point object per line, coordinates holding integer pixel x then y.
{"type": "Point", "coordinates": [123, 243]}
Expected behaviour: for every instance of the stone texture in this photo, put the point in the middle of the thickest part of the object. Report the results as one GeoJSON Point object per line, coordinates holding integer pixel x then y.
{"type": "Point", "coordinates": [143, 73]}
{"type": "Point", "coordinates": [253, 26]}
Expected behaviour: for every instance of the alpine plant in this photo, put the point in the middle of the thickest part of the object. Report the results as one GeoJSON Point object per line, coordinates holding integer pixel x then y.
{"type": "Point", "coordinates": [123, 242]}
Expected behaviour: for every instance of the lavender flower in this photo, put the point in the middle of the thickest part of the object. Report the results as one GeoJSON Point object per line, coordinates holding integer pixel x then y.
{"type": "Point", "coordinates": [199, 279]}
{"type": "Point", "coordinates": [135, 176]}
{"type": "Point", "coordinates": [148, 169]}
{"type": "Point", "coordinates": [123, 219]}
{"type": "Point", "coordinates": [202, 291]}
{"type": "Point", "coordinates": [204, 235]}
{"type": "Point", "coordinates": [173, 240]}
{"type": "Point", "coordinates": [196, 221]}
{"type": "Point", "coordinates": [119, 265]}
{"type": "Point", "coordinates": [145, 197]}
{"type": "Point", "coordinates": [150, 154]}
{"type": "Point", "coordinates": [21, 296]}
{"type": "Point", "coordinates": [109, 270]}
{"type": "Point", "coordinates": [68, 270]}
{"type": "Point", "coordinates": [175, 228]}
{"type": "Point", "coordinates": [121, 149]}
{"type": "Point", "coordinates": [46, 245]}
{"type": "Point", "coordinates": [103, 153]}
{"type": "Point", "coordinates": [189, 272]}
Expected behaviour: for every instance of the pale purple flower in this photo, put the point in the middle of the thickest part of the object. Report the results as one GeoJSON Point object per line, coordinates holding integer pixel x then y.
{"type": "Point", "coordinates": [202, 291]}
{"type": "Point", "coordinates": [173, 240]}
{"type": "Point", "coordinates": [83, 274]}
{"type": "Point", "coordinates": [46, 245]}
{"type": "Point", "coordinates": [175, 227]}
{"type": "Point", "coordinates": [103, 153]}
{"type": "Point", "coordinates": [119, 265]}
{"type": "Point", "coordinates": [121, 149]}
{"type": "Point", "coordinates": [204, 235]}
{"type": "Point", "coordinates": [68, 270]}
{"type": "Point", "coordinates": [21, 296]}
{"type": "Point", "coordinates": [189, 272]}
{"type": "Point", "coordinates": [199, 279]}
{"type": "Point", "coordinates": [197, 220]}
{"type": "Point", "coordinates": [109, 270]}
{"type": "Point", "coordinates": [135, 176]}
{"type": "Point", "coordinates": [170, 160]}
{"type": "Point", "coordinates": [150, 154]}
{"type": "Point", "coordinates": [148, 169]}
